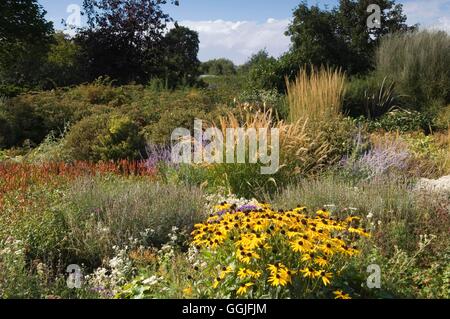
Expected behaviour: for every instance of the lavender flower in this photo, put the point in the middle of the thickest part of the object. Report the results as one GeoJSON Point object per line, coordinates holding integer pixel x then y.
{"type": "Point", "coordinates": [380, 160]}
{"type": "Point", "coordinates": [158, 154]}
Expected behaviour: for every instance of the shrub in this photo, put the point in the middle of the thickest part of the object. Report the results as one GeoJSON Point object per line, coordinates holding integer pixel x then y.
{"type": "Point", "coordinates": [403, 121]}
{"type": "Point", "coordinates": [266, 75]}
{"type": "Point", "coordinates": [160, 132]}
{"type": "Point", "coordinates": [101, 92]}
{"type": "Point", "coordinates": [418, 63]}
{"type": "Point", "coordinates": [7, 131]}
{"type": "Point", "coordinates": [84, 137]}
{"type": "Point", "coordinates": [122, 141]}
{"type": "Point", "coordinates": [33, 116]}
{"type": "Point", "coordinates": [10, 90]}
{"type": "Point", "coordinates": [105, 137]}
{"type": "Point", "coordinates": [23, 121]}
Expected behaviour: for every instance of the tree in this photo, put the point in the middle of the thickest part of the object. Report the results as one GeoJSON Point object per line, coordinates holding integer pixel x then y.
{"type": "Point", "coordinates": [25, 37]}
{"type": "Point", "coordinates": [362, 40]}
{"type": "Point", "coordinates": [218, 67]}
{"type": "Point", "coordinates": [341, 37]}
{"type": "Point", "coordinates": [258, 58]}
{"type": "Point", "coordinates": [124, 39]}
{"type": "Point", "coordinates": [314, 37]}
{"type": "Point", "coordinates": [182, 64]}
{"type": "Point", "coordinates": [63, 66]}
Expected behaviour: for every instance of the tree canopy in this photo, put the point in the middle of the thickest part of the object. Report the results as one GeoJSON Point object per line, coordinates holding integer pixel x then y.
{"type": "Point", "coordinates": [182, 46]}
{"type": "Point", "coordinates": [341, 37]}
{"type": "Point", "coordinates": [25, 37]}
{"type": "Point", "coordinates": [124, 38]}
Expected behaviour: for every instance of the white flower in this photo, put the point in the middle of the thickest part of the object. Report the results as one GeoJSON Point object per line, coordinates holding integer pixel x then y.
{"type": "Point", "coordinates": [370, 215]}
{"type": "Point", "coordinates": [153, 280]}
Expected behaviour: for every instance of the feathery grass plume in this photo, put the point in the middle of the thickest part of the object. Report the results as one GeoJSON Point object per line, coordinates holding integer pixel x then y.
{"type": "Point", "coordinates": [316, 95]}
{"type": "Point", "coordinates": [301, 152]}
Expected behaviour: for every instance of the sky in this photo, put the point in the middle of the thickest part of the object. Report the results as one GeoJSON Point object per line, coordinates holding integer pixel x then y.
{"type": "Point", "coordinates": [235, 29]}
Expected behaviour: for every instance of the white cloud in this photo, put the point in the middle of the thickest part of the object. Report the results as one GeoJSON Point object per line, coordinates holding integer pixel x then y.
{"type": "Point", "coordinates": [237, 40]}
{"type": "Point", "coordinates": [443, 24]}
{"type": "Point", "coordinates": [430, 14]}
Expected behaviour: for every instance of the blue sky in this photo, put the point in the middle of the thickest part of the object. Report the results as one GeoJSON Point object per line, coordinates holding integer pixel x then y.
{"type": "Point", "coordinates": [232, 10]}
{"type": "Point", "coordinates": [237, 28]}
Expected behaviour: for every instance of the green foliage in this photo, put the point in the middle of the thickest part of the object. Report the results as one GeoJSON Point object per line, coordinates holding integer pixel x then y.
{"type": "Point", "coordinates": [35, 115]}
{"type": "Point", "coordinates": [122, 140]}
{"type": "Point", "coordinates": [25, 37]}
{"type": "Point", "coordinates": [182, 62]}
{"type": "Point", "coordinates": [340, 37]}
{"type": "Point", "coordinates": [314, 37]}
{"type": "Point", "coordinates": [403, 121]}
{"type": "Point", "coordinates": [105, 137]}
{"type": "Point", "coordinates": [62, 67]}
{"type": "Point", "coordinates": [7, 132]}
{"type": "Point", "coordinates": [160, 132]}
{"type": "Point", "coordinates": [337, 37]}
{"type": "Point", "coordinates": [226, 88]}
{"type": "Point", "coordinates": [21, 122]}
{"type": "Point", "coordinates": [83, 139]}
{"type": "Point", "coordinates": [268, 74]}
{"type": "Point", "coordinates": [218, 67]}
{"type": "Point", "coordinates": [418, 63]}
{"type": "Point", "coordinates": [10, 90]}
{"type": "Point", "coordinates": [256, 59]}
{"type": "Point", "coordinates": [370, 96]}
{"type": "Point", "coordinates": [52, 149]}
{"type": "Point", "coordinates": [442, 119]}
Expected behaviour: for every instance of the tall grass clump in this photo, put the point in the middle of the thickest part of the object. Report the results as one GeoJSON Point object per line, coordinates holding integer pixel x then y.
{"type": "Point", "coordinates": [419, 64]}
{"type": "Point", "coordinates": [301, 153]}
{"type": "Point", "coordinates": [317, 95]}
